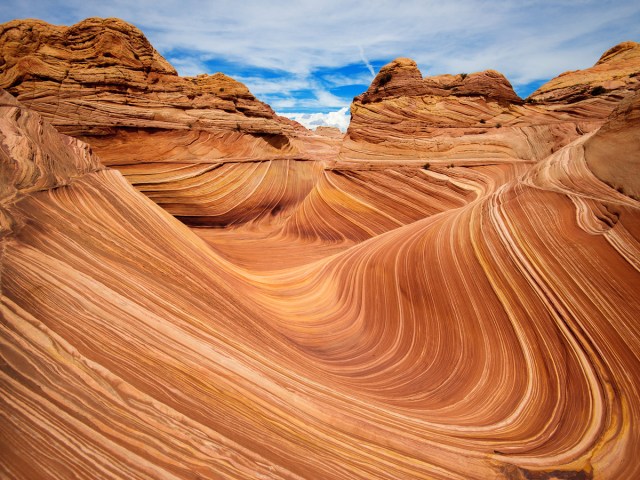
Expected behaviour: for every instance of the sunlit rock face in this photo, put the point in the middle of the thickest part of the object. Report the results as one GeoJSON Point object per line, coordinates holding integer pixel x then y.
{"type": "Point", "coordinates": [433, 297]}
{"type": "Point", "coordinates": [613, 153]}
{"type": "Point", "coordinates": [614, 75]}
{"type": "Point", "coordinates": [102, 77]}
{"type": "Point", "coordinates": [332, 132]}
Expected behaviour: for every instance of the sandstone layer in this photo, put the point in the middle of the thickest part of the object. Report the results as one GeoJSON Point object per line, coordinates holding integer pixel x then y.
{"type": "Point", "coordinates": [442, 299]}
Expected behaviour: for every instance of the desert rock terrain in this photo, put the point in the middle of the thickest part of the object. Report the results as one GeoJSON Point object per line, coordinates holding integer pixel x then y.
{"type": "Point", "coordinates": [194, 287]}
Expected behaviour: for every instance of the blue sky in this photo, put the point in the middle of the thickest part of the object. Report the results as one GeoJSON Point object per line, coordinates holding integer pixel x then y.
{"type": "Point", "coordinates": [312, 57]}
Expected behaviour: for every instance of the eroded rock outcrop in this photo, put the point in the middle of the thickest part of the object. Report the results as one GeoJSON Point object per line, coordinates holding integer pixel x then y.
{"type": "Point", "coordinates": [477, 118]}
{"type": "Point", "coordinates": [616, 73]}
{"type": "Point", "coordinates": [331, 132]}
{"type": "Point", "coordinates": [101, 76]}
{"type": "Point", "coordinates": [36, 158]}
{"type": "Point", "coordinates": [402, 77]}
{"type": "Point", "coordinates": [102, 81]}
{"type": "Point", "coordinates": [613, 153]}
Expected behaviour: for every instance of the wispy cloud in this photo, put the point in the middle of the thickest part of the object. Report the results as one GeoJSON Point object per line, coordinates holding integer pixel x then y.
{"type": "Point", "coordinates": [283, 83]}
{"type": "Point", "coordinates": [342, 79]}
{"type": "Point", "coordinates": [188, 66]}
{"type": "Point", "coordinates": [283, 103]}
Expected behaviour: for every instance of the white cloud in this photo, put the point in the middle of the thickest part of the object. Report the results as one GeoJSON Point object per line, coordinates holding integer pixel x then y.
{"type": "Point", "coordinates": [341, 79]}
{"type": "Point", "coordinates": [261, 86]}
{"type": "Point", "coordinates": [325, 98]}
{"type": "Point", "coordinates": [187, 66]}
{"type": "Point", "coordinates": [282, 103]}
{"type": "Point", "coordinates": [338, 119]}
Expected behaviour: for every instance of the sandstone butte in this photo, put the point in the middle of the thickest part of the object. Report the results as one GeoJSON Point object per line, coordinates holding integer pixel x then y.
{"type": "Point", "coordinates": [193, 287]}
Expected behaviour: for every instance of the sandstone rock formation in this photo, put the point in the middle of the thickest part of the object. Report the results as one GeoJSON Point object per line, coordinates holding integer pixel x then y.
{"type": "Point", "coordinates": [444, 299]}
{"type": "Point", "coordinates": [616, 73]}
{"type": "Point", "coordinates": [620, 135]}
{"type": "Point", "coordinates": [102, 77]}
{"type": "Point", "coordinates": [477, 118]}
{"type": "Point", "coordinates": [331, 132]}
{"type": "Point", "coordinates": [102, 81]}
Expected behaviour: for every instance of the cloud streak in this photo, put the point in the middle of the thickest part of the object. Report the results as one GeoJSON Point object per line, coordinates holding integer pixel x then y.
{"type": "Point", "coordinates": [366, 62]}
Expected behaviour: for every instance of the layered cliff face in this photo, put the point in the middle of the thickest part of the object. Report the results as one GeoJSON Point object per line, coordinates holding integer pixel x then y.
{"type": "Point", "coordinates": [477, 118]}
{"type": "Point", "coordinates": [359, 316]}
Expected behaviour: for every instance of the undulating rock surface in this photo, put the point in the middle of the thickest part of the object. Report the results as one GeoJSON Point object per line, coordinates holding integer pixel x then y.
{"type": "Point", "coordinates": [432, 297]}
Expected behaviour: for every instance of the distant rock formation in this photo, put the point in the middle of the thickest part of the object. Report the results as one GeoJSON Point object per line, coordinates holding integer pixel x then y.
{"type": "Point", "coordinates": [102, 76]}
{"type": "Point", "coordinates": [330, 132]}
{"type": "Point", "coordinates": [402, 77]}
{"type": "Point", "coordinates": [477, 117]}
{"type": "Point", "coordinates": [616, 74]}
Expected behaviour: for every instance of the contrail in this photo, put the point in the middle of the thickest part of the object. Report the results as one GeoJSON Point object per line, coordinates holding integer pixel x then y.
{"type": "Point", "coordinates": [366, 62]}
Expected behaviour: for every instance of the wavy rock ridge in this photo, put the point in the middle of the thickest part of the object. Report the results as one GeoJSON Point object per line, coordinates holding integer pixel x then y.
{"type": "Point", "coordinates": [360, 315]}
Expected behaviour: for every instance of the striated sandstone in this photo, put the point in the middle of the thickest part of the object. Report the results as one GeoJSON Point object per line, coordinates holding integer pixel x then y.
{"type": "Point", "coordinates": [490, 340]}
{"type": "Point", "coordinates": [460, 118]}
{"type": "Point", "coordinates": [34, 158]}
{"type": "Point", "coordinates": [331, 132]}
{"type": "Point", "coordinates": [620, 135]}
{"type": "Point", "coordinates": [102, 75]}
{"type": "Point", "coordinates": [402, 77]}
{"type": "Point", "coordinates": [615, 74]}
{"type": "Point", "coordinates": [448, 299]}
{"type": "Point", "coordinates": [477, 118]}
